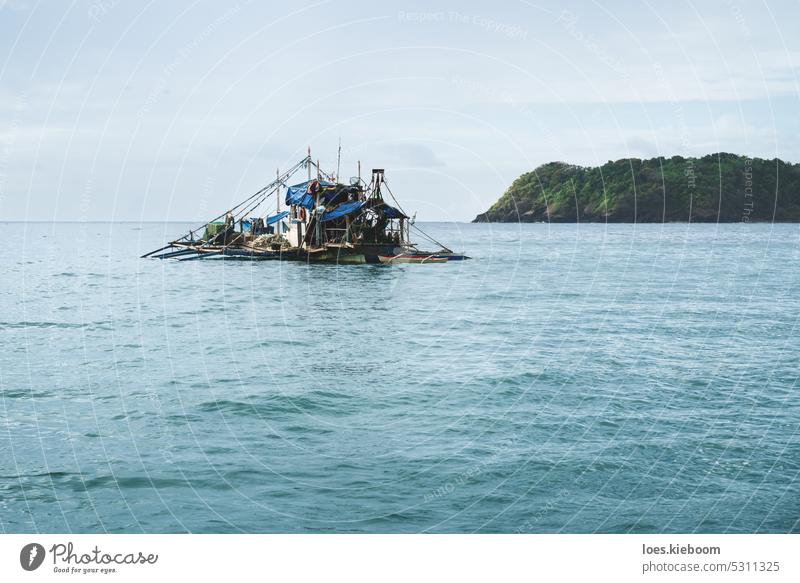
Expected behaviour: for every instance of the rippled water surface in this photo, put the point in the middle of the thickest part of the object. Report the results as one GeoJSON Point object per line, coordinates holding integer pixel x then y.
{"type": "Point", "coordinates": [613, 378]}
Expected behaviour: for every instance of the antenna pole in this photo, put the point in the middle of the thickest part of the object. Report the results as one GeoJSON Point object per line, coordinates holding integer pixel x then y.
{"type": "Point", "coordinates": [309, 163]}
{"type": "Point", "coordinates": [339, 159]}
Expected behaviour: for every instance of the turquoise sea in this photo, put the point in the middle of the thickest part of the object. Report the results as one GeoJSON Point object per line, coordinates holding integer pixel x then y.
{"type": "Point", "coordinates": [570, 378]}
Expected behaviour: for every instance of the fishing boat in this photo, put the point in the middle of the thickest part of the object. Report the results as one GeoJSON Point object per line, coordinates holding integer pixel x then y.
{"type": "Point", "coordinates": [322, 220]}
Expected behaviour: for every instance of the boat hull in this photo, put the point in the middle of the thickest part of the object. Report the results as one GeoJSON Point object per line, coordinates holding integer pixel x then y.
{"type": "Point", "coordinates": [344, 255]}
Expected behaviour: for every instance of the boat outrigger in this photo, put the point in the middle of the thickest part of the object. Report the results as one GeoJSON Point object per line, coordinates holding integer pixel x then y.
{"type": "Point", "coordinates": [324, 221]}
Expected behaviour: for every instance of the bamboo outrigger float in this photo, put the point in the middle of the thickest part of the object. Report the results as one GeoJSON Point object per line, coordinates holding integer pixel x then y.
{"type": "Point", "coordinates": [324, 221]}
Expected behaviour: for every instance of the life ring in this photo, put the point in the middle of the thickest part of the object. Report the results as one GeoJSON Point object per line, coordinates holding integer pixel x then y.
{"type": "Point", "coordinates": [302, 214]}
{"type": "Point", "coordinates": [313, 187]}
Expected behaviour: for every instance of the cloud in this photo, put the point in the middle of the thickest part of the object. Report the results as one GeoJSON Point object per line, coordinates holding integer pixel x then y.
{"type": "Point", "coordinates": [640, 147]}
{"type": "Point", "coordinates": [410, 154]}
{"type": "Point", "coordinates": [448, 97]}
{"type": "Point", "coordinates": [17, 5]}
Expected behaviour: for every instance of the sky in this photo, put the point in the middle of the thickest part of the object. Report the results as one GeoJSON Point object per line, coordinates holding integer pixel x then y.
{"type": "Point", "coordinates": [166, 111]}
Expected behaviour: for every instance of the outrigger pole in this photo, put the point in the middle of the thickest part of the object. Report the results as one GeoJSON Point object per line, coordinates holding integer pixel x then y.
{"type": "Point", "coordinates": [261, 194]}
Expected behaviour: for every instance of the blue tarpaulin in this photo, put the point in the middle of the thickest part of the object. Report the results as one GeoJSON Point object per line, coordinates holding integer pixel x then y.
{"type": "Point", "coordinates": [393, 213]}
{"type": "Point", "coordinates": [275, 218]}
{"type": "Point", "coordinates": [346, 208]}
{"type": "Point", "coordinates": [298, 194]}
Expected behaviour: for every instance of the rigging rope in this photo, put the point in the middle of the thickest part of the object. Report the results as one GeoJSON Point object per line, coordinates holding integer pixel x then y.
{"type": "Point", "coordinates": [322, 173]}
{"type": "Point", "coordinates": [268, 189]}
{"type": "Point", "coordinates": [421, 232]}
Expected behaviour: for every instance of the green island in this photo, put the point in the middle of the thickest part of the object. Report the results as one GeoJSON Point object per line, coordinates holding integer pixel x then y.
{"type": "Point", "coordinates": [719, 187]}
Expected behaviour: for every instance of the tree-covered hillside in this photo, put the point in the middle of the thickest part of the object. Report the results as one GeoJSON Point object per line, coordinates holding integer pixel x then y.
{"type": "Point", "coordinates": [718, 187]}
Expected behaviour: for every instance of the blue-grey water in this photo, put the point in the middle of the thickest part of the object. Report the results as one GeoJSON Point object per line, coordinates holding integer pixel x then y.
{"type": "Point", "coordinates": [570, 378]}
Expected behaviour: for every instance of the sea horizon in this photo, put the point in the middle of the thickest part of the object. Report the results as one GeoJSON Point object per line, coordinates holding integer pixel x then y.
{"type": "Point", "coordinates": [444, 221]}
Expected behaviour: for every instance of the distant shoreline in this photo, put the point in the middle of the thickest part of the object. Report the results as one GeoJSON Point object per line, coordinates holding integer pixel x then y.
{"type": "Point", "coordinates": [716, 188]}
{"type": "Point", "coordinates": [616, 222]}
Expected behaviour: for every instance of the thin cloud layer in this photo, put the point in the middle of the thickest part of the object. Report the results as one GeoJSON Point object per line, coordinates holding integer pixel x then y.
{"type": "Point", "coordinates": [141, 111]}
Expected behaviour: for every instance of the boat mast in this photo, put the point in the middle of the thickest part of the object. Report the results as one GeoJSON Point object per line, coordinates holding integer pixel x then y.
{"type": "Point", "coordinates": [317, 215]}
{"type": "Point", "coordinates": [339, 159]}
{"type": "Point", "coordinates": [300, 224]}
{"type": "Point", "coordinates": [278, 201]}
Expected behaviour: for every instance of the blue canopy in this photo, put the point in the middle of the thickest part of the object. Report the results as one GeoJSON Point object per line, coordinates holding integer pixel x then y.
{"type": "Point", "coordinates": [393, 213]}
{"type": "Point", "coordinates": [275, 218]}
{"type": "Point", "coordinates": [346, 208]}
{"type": "Point", "coordinates": [298, 194]}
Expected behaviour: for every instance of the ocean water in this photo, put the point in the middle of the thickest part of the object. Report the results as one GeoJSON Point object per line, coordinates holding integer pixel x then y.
{"type": "Point", "coordinates": [570, 378]}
